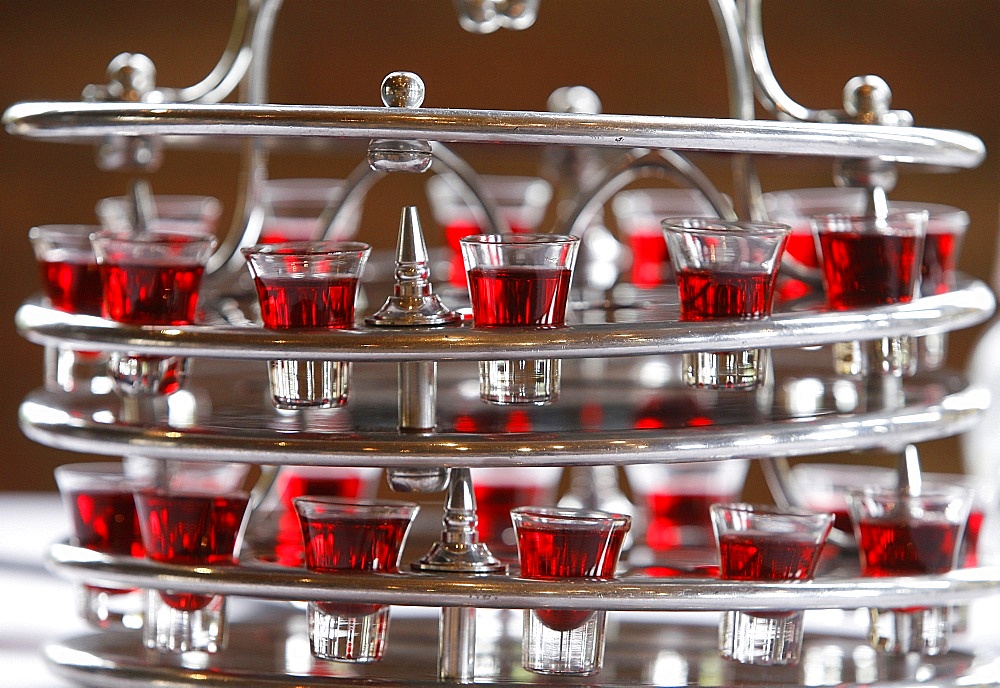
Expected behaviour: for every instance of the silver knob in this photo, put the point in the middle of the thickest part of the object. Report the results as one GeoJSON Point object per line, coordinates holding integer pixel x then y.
{"type": "Point", "coordinates": [400, 90]}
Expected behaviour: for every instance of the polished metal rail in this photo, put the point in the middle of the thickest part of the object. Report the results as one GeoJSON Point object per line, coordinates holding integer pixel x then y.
{"type": "Point", "coordinates": [72, 121]}
{"type": "Point", "coordinates": [970, 304]}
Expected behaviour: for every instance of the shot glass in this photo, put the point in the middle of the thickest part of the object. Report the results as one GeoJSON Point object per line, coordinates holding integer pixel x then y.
{"type": "Point", "coordinates": [677, 497]}
{"type": "Point", "coordinates": [638, 213]}
{"type": "Point", "coordinates": [765, 543]}
{"type": "Point", "coordinates": [71, 282]}
{"type": "Point", "coordinates": [556, 543]}
{"type": "Point", "coordinates": [521, 201]}
{"type": "Point", "coordinates": [171, 213]}
{"type": "Point", "coordinates": [870, 262]}
{"type": "Point", "coordinates": [294, 210]}
{"type": "Point", "coordinates": [350, 483]}
{"type": "Point", "coordinates": [725, 271]}
{"type": "Point", "coordinates": [196, 526]}
{"type": "Point", "coordinates": [343, 536]}
{"type": "Point", "coordinates": [901, 534]}
{"type": "Point", "coordinates": [310, 285]}
{"type": "Point", "coordinates": [499, 490]}
{"type": "Point", "coordinates": [98, 498]}
{"type": "Point", "coordinates": [150, 278]}
{"type": "Point", "coordinates": [519, 280]}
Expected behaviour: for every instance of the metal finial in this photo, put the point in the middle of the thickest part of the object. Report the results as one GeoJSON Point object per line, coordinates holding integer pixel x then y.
{"type": "Point", "coordinates": [413, 301]}
{"type": "Point", "coordinates": [911, 481]}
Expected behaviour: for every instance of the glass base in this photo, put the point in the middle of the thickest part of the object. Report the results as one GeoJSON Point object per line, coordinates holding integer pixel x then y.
{"type": "Point", "coordinates": [575, 651]}
{"type": "Point", "coordinates": [77, 371]}
{"type": "Point", "coordinates": [745, 369]}
{"type": "Point", "coordinates": [885, 356]}
{"type": "Point", "coordinates": [761, 639]}
{"type": "Point", "coordinates": [899, 632]}
{"type": "Point", "coordinates": [520, 382]}
{"type": "Point", "coordinates": [111, 609]}
{"type": "Point", "coordinates": [175, 630]}
{"type": "Point", "coordinates": [147, 375]}
{"type": "Point", "coordinates": [309, 384]}
{"type": "Point", "coordinates": [932, 351]}
{"type": "Point", "coordinates": [347, 637]}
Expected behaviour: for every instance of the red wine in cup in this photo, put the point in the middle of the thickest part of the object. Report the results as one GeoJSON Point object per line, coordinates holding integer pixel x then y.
{"type": "Point", "coordinates": [938, 267]}
{"type": "Point", "coordinates": [906, 547]}
{"type": "Point", "coordinates": [190, 529]}
{"type": "Point", "coordinates": [288, 548]}
{"type": "Point", "coordinates": [680, 519]}
{"type": "Point", "coordinates": [710, 295]}
{"type": "Point", "coordinates": [151, 294]}
{"type": "Point", "coordinates": [865, 270]}
{"type": "Point", "coordinates": [73, 287]}
{"type": "Point", "coordinates": [493, 505]}
{"type": "Point", "coordinates": [649, 257]}
{"type": "Point", "coordinates": [766, 557]}
{"type": "Point", "coordinates": [549, 552]}
{"type": "Point", "coordinates": [307, 302]}
{"type": "Point", "coordinates": [519, 295]}
{"type": "Point", "coordinates": [354, 544]}
{"type": "Point", "coordinates": [970, 540]}
{"type": "Point", "coordinates": [106, 522]}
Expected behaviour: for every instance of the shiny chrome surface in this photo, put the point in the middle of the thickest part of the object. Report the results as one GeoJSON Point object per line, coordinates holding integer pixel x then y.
{"type": "Point", "coordinates": [627, 593]}
{"type": "Point", "coordinates": [636, 334]}
{"type": "Point", "coordinates": [91, 121]}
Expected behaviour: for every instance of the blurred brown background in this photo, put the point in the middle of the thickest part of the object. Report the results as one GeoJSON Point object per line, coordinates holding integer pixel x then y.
{"type": "Point", "coordinates": [640, 56]}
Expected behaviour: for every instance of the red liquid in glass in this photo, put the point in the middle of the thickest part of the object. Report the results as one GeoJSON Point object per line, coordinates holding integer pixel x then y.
{"type": "Point", "coordinates": [288, 547]}
{"type": "Point", "coordinates": [707, 295]}
{"type": "Point", "coordinates": [190, 529]}
{"type": "Point", "coordinates": [970, 539]}
{"type": "Point", "coordinates": [895, 547]}
{"type": "Point", "coordinates": [680, 519]}
{"type": "Point", "coordinates": [307, 302]}
{"type": "Point", "coordinates": [151, 294]}
{"type": "Point", "coordinates": [519, 295]}
{"type": "Point", "coordinates": [649, 257]}
{"type": "Point", "coordinates": [865, 270]}
{"type": "Point", "coordinates": [355, 544]}
{"type": "Point", "coordinates": [766, 557]}
{"type": "Point", "coordinates": [493, 505]}
{"type": "Point", "coordinates": [106, 522]}
{"type": "Point", "coordinates": [549, 552]}
{"type": "Point", "coordinates": [938, 267]}
{"type": "Point", "coordinates": [73, 287]}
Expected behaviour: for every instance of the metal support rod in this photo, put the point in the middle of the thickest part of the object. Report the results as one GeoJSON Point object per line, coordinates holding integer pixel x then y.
{"type": "Point", "coordinates": [457, 644]}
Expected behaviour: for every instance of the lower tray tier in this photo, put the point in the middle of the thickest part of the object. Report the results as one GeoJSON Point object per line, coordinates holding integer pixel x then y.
{"type": "Point", "coordinates": [268, 647]}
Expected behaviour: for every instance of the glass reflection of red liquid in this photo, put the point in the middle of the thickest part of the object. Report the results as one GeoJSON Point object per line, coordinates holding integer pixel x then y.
{"type": "Point", "coordinates": [970, 540]}
{"type": "Point", "coordinates": [766, 557]}
{"type": "Point", "coordinates": [288, 547]}
{"type": "Point", "coordinates": [550, 551]}
{"type": "Point", "coordinates": [72, 287]}
{"type": "Point", "coordinates": [938, 267]}
{"type": "Point", "coordinates": [906, 547]}
{"type": "Point", "coordinates": [106, 522]}
{"type": "Point", "coordinates": [707, 295]}
{"type": "Point", "coordinates": [649, 257]}
{"type": "Point", "coordinates": [493, 505]}
{"type": "Point", "coordinates": [190, 529]}
{"type": "Point", "coordinates": [864, 270]}
{"type": "Point", "coordinates": [677, 520]}
{"type": "Point", "coordinates": [288, 302]}
{"type": "Point", "coordinates": [151, 294]}
{"type": "Point", "coordinates": [357, 544]}
{"type": "Point", "coordinates": [519, 295]}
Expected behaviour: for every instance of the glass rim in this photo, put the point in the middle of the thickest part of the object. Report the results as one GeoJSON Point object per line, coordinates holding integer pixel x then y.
{"type": "Point", "coordinates": [151, 488]}
{"type": "Point", "coordinates": [154, 237]}
{"type": "Point", "coordinates": [798, 513]}
{"type": "Point", "coordinates": [571, 516]}
{"type": "Point", "coordinates": [92, 468]}
{"type": "Point", "coordinates": [528, 239]}
{"type": "Point", "coordinates": [357, 507]}
{"type": "Point", "coordinates": [846, 222]}
{"type": "Point", "coordinates": [930, 491]}
{"type": "Point", "coordinates": [307, 248]}
{"type": "Point", "coordinates": [67, 229]}
{"type": "Point", "coordinates": [716, 225]}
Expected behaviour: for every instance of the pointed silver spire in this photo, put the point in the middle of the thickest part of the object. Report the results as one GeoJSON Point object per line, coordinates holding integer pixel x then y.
{"type": "Point", "coordinates": [413, 301]}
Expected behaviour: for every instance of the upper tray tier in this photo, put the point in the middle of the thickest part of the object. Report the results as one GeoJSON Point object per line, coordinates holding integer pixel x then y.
{"type": "Point", "coordinates": [637, 333]}
{"type": "Point", "coordinates": [74, 121]}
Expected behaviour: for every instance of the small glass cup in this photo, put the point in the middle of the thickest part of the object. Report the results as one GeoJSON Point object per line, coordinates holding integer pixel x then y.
{"type": "Point", "coordinates": [172, 213]}
{"type": "Point", "coordinates": [638, 214]}
{"type": "Point", "coordinates": [187, 520]}
{"type": "Point", "coordinates": [555, 543]}
{"type": "Point", "coordinates": [677, 497]}
{"type": "Point", "coordinates": [519, 280]}
{"type": "Point", "coordinates": [765, 543]}
{"type": "Point", "coordinates": [349, 483]}
{"type": "Point", "coordinates": [72, 283]}
{"type": "Point", "coordinates": [294, 209]}
{"type": "Point", "coordinates": [823, 487]}
{"type": "Point", "coordinates": [900, 534]}
{"type": "Point", "coordinates": [725, 271]}
{"type": "Point", "coordinates": [342, 536]}
{"type": "Point", "coordinates": [308, 285]}
{"type": "Point", "coordinates": [499, 490]}
{"type": "Point", "coordinates": [98, 498]}
{"type": "Point", "coordinates": [521, 201]}
{"type": "Point", "coordinates": [869, 262]}
{"type": "Point", "coordinates": [150, 278]}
